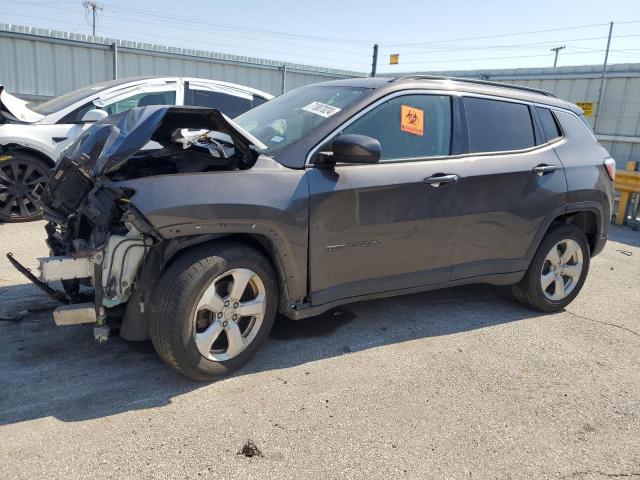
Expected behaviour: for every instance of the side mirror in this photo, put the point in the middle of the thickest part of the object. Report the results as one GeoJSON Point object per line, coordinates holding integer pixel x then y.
{"type": "Point", "coordinates": [94, 115]}
{"type": "Point", "coordinates": [351, 148]}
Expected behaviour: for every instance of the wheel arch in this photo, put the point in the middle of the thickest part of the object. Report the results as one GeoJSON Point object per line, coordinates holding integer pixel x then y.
{"type": "Point", "coordinates": [135, 323]}
{"type": "Point", "coordinates": [12, 148]}
{"type": "Point", "coordinates": [262, 243]}
{"type": "Point", "coordinates": [589, 216]}
{"type": "Point", "coordinates": [586, 220]}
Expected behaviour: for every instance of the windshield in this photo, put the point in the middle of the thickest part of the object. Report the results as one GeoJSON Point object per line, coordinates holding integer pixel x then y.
{"type": "Point", "coordinates": [289, 117]}
{"type": "Point", "coordinates": [63, 101]}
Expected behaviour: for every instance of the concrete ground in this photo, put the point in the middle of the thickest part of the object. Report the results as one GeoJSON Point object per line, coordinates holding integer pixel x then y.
{"type": "Point", "coordinates": [459, 383]}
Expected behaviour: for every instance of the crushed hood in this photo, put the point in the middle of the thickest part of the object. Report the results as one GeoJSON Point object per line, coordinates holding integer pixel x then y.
{"type": "Point", "coordinates": [15, 110]}
{"type": "Point", "coordinates": [109, 143]}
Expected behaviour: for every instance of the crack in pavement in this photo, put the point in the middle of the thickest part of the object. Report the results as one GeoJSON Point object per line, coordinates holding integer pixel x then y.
{"type": "Point", "coordinates": [604, 323]}
{"type": "Point", "coordinates": [600, 472]}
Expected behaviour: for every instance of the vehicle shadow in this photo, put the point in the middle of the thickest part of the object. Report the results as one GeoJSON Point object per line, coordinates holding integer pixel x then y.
{"type": "Point", "coordinates": [62, 372]}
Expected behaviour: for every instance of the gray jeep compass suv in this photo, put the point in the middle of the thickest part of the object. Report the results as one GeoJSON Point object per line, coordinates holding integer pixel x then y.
{"type": "Point", "coordinates": [179, 224]}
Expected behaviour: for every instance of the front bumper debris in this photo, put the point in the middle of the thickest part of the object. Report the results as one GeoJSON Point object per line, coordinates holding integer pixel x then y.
{"type": "Point", "coordinates": [111, 270]}
{"type": "Point", "coordinates": [65, 268]}
{"type": "Point", "coordinates": [75, 314]}
{"type": "Point", "coordinates": [53, 293]}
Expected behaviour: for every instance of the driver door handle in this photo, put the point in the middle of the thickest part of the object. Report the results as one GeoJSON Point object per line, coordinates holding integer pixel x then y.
{"type": "Point", "coordinates": [544, 169]}
{"type": "Point", "coordinates": [440, 179]}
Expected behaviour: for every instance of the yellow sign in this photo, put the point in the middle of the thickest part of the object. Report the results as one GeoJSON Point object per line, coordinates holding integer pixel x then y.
{"type": "Point", "coordinates": [394, 58]}
{"type": "Point", "coordinates": [587, 108]}
{"type": "Point", "coordinates": [411, 120]}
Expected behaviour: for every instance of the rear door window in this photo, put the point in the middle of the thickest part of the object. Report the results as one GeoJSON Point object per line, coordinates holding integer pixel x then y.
{"type": "Point", "coordinates": [549, 124]}
{"type": "Point", "coordinates": [497, 126]}
{"type": "Point", "coordinates": [410, 126]}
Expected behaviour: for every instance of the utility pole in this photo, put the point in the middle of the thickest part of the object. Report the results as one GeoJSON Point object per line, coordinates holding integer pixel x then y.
{"type": "Point", "coordinates": [93, 6]}
{"type": "Point", "coordinates": [604, 70]}
{"type": "Point", "coordinates": [557, 49]}
{"type": "Point", "coordinates": [374, 61]}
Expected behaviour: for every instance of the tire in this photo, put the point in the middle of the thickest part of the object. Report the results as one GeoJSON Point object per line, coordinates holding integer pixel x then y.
{"type": "Point", "coordinates": [187, 313]}
{"type": "Point", "coordinates": [563, 282]}
{"type": "Point", "coordinates": [23, 177]}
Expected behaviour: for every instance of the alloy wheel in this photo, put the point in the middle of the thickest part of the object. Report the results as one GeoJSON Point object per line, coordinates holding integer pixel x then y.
{"type": "Point", "coordinates": [561, 270]}
{"type": "Point", "coordinates": [21, 184]}
{"type": "Point", "coordinates": [229, 314]}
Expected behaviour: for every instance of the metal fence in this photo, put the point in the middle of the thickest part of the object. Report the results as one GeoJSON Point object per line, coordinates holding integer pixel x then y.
{"type": "Point", "coordinates": [38, 63]}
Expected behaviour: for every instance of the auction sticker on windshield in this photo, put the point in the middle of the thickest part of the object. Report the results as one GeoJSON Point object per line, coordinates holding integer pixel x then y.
{"type": "Point", "coordinates": [412, 120]}
{"type": "Point", "coordinates": [321, 109]}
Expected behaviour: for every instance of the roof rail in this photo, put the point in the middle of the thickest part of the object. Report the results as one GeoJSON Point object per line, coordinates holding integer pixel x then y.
{"type": "Point", "coordinates": [480, 82]}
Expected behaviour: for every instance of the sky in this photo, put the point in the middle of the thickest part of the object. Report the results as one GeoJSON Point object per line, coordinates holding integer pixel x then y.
{"type": "Point", "coordinates": [428, 36]}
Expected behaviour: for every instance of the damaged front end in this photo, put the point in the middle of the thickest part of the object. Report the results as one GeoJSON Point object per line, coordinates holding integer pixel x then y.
{"type": "Point", "coordinates": [98, 239]}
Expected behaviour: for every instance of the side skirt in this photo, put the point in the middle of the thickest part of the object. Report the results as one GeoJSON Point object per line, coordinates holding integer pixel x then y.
{"type": "Point", "coordinates": [306, 310]}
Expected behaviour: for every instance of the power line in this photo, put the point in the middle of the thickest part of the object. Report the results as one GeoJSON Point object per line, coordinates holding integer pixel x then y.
{"type": "Point", "coordinates": [332, 50]}
{"type": "Point", "coordinates": [499, 35]}
{"type": "Point", "coordinates": [544, 44]}
{"type": "Point", "coordinates": [176, 18]}
{"type": "Point", "coordinates": [173, 21]}
{"type": "Point", "coordinates": [218, 44]}
{"type": "Point", "coordinates": [512, 57]}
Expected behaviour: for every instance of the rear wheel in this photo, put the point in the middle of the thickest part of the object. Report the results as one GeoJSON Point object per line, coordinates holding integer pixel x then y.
{"type": "Point", "coordinates": [22, 180]}
{"type": "Point", "coordinates": [557, 272]}
{"type": "Point", "coordinates": [213, 312]}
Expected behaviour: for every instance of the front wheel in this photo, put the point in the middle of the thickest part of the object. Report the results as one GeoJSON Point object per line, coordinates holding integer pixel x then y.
{"type": "Point", "coordinates": [212, 312]}
{"type": "Point", "coordinates": [22, 180]}
{"type": "Point", "coordinates": [557, 272]}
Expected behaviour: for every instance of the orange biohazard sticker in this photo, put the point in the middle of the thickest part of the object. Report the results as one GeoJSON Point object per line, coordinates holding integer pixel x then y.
{"type": "Point", "coordinates": [412, 120]}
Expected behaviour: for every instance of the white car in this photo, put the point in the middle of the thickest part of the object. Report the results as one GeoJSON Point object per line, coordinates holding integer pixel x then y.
{"type": "Point", "coordinates": [32, 136]}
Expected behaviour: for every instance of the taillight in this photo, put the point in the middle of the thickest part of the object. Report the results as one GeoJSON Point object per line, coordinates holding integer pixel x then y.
{"type": "Point", "coordinates": [610, 165]}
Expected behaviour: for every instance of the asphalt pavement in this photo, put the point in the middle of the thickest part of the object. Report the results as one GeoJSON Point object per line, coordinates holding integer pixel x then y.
{"type": "Point", "coordinates": [457, 383]}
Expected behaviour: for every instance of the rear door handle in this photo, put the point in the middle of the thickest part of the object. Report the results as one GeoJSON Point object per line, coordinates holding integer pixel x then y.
{"type": "Point", "coordinates": [544, 169]}
{"type": "Point", "coordinates": [439, 179]}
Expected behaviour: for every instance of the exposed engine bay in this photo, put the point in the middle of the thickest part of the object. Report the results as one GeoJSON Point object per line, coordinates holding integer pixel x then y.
{"type": "Point", "coordinates": [97, 238]}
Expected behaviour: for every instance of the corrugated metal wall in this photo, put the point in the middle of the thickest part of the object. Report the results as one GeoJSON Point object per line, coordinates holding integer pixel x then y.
{"type": "Point", "coordinates": [38, 63]}
{"type": "Point", "coordinates": [619, 121]}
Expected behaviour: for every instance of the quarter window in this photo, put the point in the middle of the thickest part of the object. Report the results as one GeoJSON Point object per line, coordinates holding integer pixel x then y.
{"type": "Point", "coordinates": [411, 126]}
{"type": "Point", "coordinates": [497, 126]}
{"type": "Point", "coordinates": [549, 124]}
